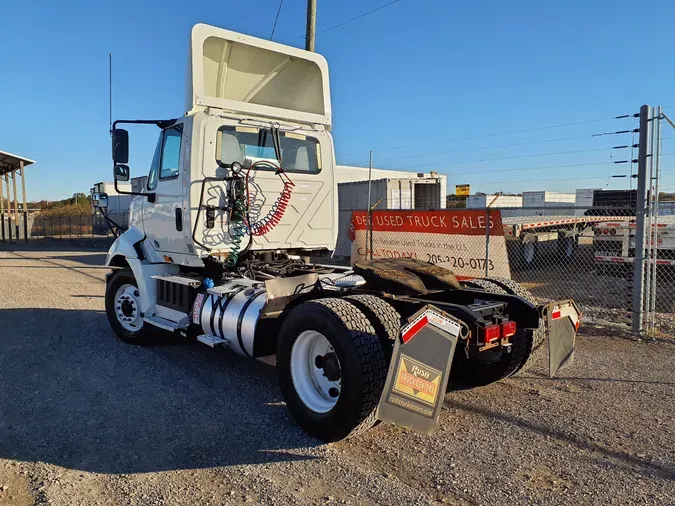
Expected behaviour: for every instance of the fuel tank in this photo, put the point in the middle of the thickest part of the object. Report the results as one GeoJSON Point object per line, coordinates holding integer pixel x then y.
{"type": "Point", "coordinates": [231, 312]}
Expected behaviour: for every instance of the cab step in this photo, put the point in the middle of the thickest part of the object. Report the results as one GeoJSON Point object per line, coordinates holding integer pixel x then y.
{"type": "Point", "coordinates": [211, 340]}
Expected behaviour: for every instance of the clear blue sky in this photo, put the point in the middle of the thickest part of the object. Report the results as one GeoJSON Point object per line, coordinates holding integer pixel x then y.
{"type": "Point", "coordinates": [416, 72]}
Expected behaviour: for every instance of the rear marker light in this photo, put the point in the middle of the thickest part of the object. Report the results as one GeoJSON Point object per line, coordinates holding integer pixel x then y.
{"type": "Point", "coordinates": [410, 333]}
{"type": "Point", "coordinates": [491, 333]}
{"type": "Point", "coordinates": [508, 329]}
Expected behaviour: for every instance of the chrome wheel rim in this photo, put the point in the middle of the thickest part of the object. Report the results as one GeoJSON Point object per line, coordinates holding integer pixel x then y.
{"type": "Point", "coordinates": [128, 308]}
{"type": "Point", "coordinates": [315, 371]}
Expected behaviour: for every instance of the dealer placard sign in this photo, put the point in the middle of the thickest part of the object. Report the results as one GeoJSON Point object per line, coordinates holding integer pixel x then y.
{"type": "Point", "coordinates": [455, 239]}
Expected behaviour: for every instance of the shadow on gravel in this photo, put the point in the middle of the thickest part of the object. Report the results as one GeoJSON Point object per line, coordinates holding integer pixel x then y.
{"type": "Point", "coordinates": [624, 459]}
{"type": "Point", "coordinates": [73, 395]}
{"type": "Point", "coordinates": [87, 261]}
{"type": "Point", "coordinates": [85, 243]}
{"type": "Point", "coordinates": [584, 379]}
{"type": "Point", "coordinates": [92, 259]}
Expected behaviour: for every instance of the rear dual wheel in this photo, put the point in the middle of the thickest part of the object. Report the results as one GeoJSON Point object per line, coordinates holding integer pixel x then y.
{"type": "Point", "coordinates": [332, 368]}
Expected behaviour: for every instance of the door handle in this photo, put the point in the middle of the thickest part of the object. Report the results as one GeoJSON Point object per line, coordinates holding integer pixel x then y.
{"type": "Point", "coordinates": [179, 219]}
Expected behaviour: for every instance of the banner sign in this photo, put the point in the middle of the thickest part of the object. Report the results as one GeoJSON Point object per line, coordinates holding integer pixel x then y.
{"type": "Point", "coordinates": [454, 239]}
{"type": "Point", "coordinates": [462, 190]}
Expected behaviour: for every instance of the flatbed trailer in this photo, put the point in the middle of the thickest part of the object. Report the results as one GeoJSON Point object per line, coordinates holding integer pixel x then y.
{"type": "Point", "coordinates": [528, 236]}
{"type": "Point", "coordinates": [614, 242]}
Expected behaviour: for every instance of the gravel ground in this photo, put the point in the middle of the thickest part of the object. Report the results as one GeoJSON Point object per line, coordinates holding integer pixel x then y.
{"type": "Point", "coordinates": [88, 420]}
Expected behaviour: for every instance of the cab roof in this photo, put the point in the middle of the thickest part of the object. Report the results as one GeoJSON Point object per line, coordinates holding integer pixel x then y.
{"type": "Point", "coordinates": [243, 74]}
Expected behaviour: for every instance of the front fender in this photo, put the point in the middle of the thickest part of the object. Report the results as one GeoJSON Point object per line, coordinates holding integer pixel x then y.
{"type": "Point", "coordinates": [128, 246]}
{"type": "Point", "coordinates": [125, 245]}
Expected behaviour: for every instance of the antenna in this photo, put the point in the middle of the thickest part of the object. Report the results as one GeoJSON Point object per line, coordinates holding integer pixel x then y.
{"type": "Point", "coordinates": [110, 90]}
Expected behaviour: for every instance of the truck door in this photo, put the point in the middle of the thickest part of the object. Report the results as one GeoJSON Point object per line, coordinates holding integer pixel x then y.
{"type": "Point", "coordinates": [163, 219]}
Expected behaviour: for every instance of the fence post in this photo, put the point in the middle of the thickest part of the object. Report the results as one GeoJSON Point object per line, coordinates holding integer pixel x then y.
{"type": "Point", "coordinates": [638, 267]}
{"type": "Point", "coordinates": [25, 225]}
{"type": "Point", "coordinates": [487, 241]}
{"type": "Point", "coordinates": [2, 224]}
{"type": "Point", "coordinates": [655, 210]}
{"type": "Point", "coordinates": [9, 226]}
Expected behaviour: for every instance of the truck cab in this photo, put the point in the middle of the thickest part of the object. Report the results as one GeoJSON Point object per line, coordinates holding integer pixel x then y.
{"type": "Point", "coordinates": [241, 92]}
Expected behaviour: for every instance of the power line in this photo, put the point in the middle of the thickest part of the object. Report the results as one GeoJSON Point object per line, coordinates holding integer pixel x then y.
{"type": "Point", "coordinates": [506, 158]}
{"type": "Point", "coordinates": [545, 180]}
{"type": "Point", "coordinates": [497, 134]}
{"type": "Point", "coordinates": [528, 168]}
{"type": "Point", "coordinates": [541, 168]}
{"type": "Point", "coordinates": [480, 148]}
{"type": "Point", "coordinates": [354, 19]}
{"type": "Point", "coordinates": [464, 162]}
{"type": "Point", "coordinates": [276, 18]}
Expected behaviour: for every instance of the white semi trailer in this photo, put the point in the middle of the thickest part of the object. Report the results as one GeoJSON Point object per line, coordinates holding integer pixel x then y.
{"type": "Point", "coordinates": [240, 192]}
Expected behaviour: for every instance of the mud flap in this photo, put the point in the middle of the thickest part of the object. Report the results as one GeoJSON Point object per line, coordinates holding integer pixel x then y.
{"type": "Point", "coordinates": [562, 323]}
{"type": "Point", "coordinates": [419, 370]}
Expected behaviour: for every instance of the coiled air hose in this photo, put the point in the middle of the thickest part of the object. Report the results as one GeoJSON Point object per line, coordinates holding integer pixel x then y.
{"type": "Point", "coordinates": [274, 215]}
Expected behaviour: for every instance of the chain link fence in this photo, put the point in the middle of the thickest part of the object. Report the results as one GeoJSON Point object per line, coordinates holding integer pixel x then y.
{"type": "Point", "coordinates": [586, 254]}
{"type": "Point", "coordinates": [75, 226]}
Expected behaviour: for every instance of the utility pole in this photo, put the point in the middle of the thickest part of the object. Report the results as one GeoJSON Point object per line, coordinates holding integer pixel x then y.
{"type": "Point", "coordinates": [643, 183]}
{"type": "Point", "coordinates": [310, 34]}
{"type": "Point", "coordinates": [370, 208]}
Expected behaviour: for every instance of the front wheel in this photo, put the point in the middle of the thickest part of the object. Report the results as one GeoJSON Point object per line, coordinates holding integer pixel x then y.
{"type": "Point", "coordinates": [331, 368]}
{"type": "Point", "coordinates": [123, 308]}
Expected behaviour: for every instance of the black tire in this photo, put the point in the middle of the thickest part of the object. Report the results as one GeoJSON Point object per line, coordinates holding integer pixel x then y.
{"type": "Point", "coordinates": [484, 284]}
{"type": "Point", "coordinates": [536, 339]}
{"type": "Point", "coordinates": [382, 316]}
{"type": "Point", "coordinates": [145, 334]}
{"type": "Point", "coordinates": [567, 246]}
{"type": "Point", "coordinates": [477, 372]}
{"type": "Point", "coordinates": [531, 263]}
{"type": "Point", "coordinates": [362, 362]}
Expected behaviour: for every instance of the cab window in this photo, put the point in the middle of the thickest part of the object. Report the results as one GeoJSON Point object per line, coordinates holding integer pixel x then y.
{"type": "Point", "coordinates": [170, 154]}
{"type": "Point", "coordinates": [166, 161]}
{"type": "Point", "coordinates": [300, 152]}
{"type": "Point", "coordinates": [154, 166]}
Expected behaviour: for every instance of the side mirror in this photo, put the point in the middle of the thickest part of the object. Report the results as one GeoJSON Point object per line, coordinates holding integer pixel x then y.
{"type": "Point", "coordinates": [121, 172]}
{"type": "Point", "coordinates": [99, 200]}
{"type": "Point", "coordinates": [120, 146]}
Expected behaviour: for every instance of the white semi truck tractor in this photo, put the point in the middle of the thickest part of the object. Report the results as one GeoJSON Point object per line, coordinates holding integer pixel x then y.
{"type": "Point", "coordinates": [240, 193]}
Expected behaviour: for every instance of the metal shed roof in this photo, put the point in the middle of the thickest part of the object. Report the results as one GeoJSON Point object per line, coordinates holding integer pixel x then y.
{"type": "Point", "coordinates": [10, 162]}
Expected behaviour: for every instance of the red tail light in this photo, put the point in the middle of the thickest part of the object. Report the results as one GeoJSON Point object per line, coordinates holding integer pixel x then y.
{"type": "Point", "coordinates": [491, 333]}
{"type": "Point", "coordinates": [508, 329]}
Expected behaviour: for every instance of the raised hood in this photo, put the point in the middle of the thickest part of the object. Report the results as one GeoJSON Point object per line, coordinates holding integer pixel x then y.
{"type": "Point", "coordinates": [243, 74]}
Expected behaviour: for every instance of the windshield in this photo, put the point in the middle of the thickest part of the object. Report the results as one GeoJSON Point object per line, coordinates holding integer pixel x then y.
{"type": "Point", "coordinates": [299, 152]}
